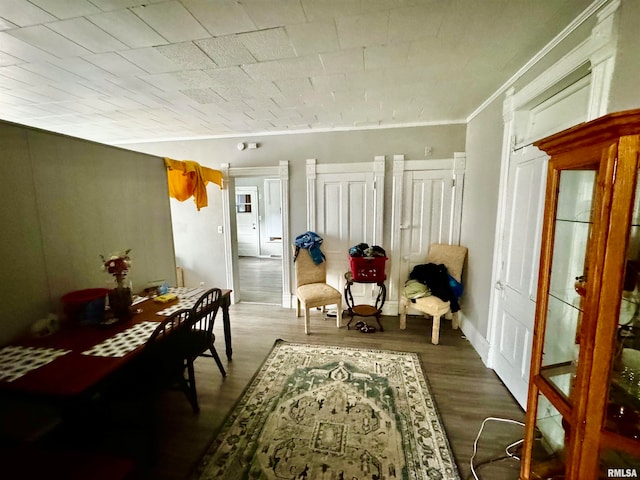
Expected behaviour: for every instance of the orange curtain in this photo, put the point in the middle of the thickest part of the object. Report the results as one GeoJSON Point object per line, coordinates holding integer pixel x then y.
{"type": "Point", "coordinates": [189, 179]}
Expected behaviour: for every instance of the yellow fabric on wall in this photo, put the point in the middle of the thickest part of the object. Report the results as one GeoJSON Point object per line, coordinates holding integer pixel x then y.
{"type": "Point", "coordinates": [189, 179]}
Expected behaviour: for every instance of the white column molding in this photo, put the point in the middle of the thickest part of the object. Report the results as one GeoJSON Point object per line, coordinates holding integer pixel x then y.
{"type": "Point", "coordinates": [286, 240]}
{"type": "Point", "coordinates": [378, 207]}
{"type": "Point", "coordinates": [228, 205]}
{"type": "Point", "coordinates": [459, 167]}
{"type": "Point", "coordinates": [395, 250]}
{"type": "Point", "coordinates": [603, 59]}
{"type": "Point", "coordinates": [311, 194]}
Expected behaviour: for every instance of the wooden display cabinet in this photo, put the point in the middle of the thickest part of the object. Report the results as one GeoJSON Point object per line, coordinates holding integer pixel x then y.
{"type": "Point", "coordinates": [583, 411]}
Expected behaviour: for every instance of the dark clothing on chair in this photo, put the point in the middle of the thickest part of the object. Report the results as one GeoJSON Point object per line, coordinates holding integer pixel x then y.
{"type": "Point", "coordinates": [436, 278]}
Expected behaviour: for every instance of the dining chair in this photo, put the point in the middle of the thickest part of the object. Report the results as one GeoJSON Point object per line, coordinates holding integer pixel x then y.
{"type": "Point", "coordinates": [312, 288]}
{"type": "Point", "coordinates": [168, 355]}
{"type": "Point", "coordinates": [452, 257]}
{"type": "Point", "coordinates": [204, 314]}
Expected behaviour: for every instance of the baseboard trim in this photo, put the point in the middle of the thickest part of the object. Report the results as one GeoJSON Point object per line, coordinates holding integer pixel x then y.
{"type": "Point", "coordinates": [477, 340]}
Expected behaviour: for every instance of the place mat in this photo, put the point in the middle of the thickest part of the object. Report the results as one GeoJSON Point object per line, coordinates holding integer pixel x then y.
{"type": "Point", "coordinates": [16, 360]}
{"type": "Point", "coordinates": [188, 292]}
{"type": "Point", "coordinates": [187, 298]}
{"type": "Point", "coordinates": [123, 342]}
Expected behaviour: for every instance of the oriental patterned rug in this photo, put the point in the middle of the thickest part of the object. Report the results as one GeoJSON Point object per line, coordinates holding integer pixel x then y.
{"type": "Point", "coordinates": [333, 413]}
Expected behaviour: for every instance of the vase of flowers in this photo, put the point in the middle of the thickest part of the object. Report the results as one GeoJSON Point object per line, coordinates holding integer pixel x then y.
{"type": "Point", "coordinates": [120, 298]}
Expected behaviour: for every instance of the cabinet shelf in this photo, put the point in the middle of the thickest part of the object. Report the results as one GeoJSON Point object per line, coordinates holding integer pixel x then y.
{"type": "Point", "coordinates": [568, 297]}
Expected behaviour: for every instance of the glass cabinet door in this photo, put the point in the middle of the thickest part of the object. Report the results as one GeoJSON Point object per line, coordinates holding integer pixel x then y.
{"type": "Point", "coordinates": [623, 409]}
{"type": "Point", "coordinates": [567, 288]}
{"type": "Point", "coordinates": [568, 279]}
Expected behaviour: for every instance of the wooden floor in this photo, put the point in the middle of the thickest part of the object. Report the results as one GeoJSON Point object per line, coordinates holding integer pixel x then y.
{"type": "Point", "coordinates": [166, 438]}
{"type": "Point", "coordinates": [260, 280]}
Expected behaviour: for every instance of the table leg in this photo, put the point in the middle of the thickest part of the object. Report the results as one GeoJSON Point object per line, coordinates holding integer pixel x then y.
{"type": "Point", "coordinates": [227, 328]}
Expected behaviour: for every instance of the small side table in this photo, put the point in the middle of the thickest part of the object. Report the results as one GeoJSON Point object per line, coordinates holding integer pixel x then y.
{"type": "Point", "coordinates": [364, 310]}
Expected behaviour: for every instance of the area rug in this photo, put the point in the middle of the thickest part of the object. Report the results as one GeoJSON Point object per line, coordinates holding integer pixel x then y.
{"type": "Point", "coordinates": [333, 413]}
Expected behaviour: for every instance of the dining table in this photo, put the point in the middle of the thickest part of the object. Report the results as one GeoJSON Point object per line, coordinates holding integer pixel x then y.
{"type": "Point", "coordinates": [73, 361]}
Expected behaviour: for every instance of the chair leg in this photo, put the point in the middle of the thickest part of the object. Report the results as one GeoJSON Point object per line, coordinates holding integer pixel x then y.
{"type": "Point", "coordinates": [306, 320]}
{"type": "Point", "coordinates": [339, 314]}
{"type": "Point", "coordinates": [435, 330]}
{"type": "Point", "coordinates": [192, 394]}
{"type": "Point", "coordinates": [403, 314]}
{"type": "Point", "coordinates": [216, 357]}
{"type": "Point", "coordinates": [297, 307]}
{"type": "Point", "coordinates": [455, 321]}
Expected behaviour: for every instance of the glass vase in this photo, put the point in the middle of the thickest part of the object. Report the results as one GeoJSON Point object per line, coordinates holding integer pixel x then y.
{"type": "Point", "coordinates": [120, 299]}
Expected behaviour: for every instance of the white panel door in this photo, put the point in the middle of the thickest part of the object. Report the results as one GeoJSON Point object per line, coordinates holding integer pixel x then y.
{"type": "Point", "coordinates": [426, 215]}
{"type": "Point", "coordinates": [345, 217]}
{"type": "Point", "coordinates": [247, 221]}
{"type": "Point", "coordinates": [516, 302]}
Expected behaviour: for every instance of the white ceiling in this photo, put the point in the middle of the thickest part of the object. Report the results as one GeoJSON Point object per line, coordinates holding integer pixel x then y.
{"type": "Point", "coordinates": [118, 71]}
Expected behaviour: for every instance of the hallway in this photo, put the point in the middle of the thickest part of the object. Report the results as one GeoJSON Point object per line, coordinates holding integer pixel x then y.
{"type": "Point", "coordinates": [260, 280]}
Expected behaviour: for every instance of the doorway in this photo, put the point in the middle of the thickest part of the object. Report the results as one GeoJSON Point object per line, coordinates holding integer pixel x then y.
{"type": "Point", "coordinates": [256, 212]}
{"type": "Point", "coordinates": [259, 239]}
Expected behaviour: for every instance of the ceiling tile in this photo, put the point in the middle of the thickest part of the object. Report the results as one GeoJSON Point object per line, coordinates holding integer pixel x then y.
{"type": "Point", "coordinates": [66, 8]}
{"type": "Point", "coordinates": [150, 60]}
{"type": "Point", "coordinates": [23, 13]}
{"type": "Point", "coordinates": [329, 83]}
{"type": "Point", "coordinates": [363, 30]}
{"type": "Point", "coordinates": [294, 85]}
{"type": "Point", "coordinates": [386, 56]}
{"type": "Point", "coordinates": [315, 37]}
{"type": "Point", "coordinates": [6, 59]}
{"type": "Point", "coordinates": [128, 28]}
{"type": "Point", "coordinates": [229, 76]}
{"type": "Point", "coordinates": [269, 44]}
{"type": "Point", "coordinates": [85, 33]}
{"type": "Point", "coordinates": [274, 13]}
{"type": "Point", "coordinates": [41, 37]}
{"type": "Point", "coordinates": [172, 21]}
{"type": "Point", "coordinates": [22, 50]}
{"type": "Point", "coordinates": [186, 55]}
{"type": "Point", "coordinates": [24, 76]}
{"type": "Point", "coordinates": [114, 63]}
{"type": "Point", "coordinates": [6, 25]}
{"type": "Point", "coordinates": [287, 68]}
{"type": "Point", "coordinates": [50, 72]}
{"type": "Point", "coordinates": [226, 51]}
{"type": "Point", "coordinates": [228, 16]}
{"type": "Point", "coordinates": [414, 23]}
{"type": "Point", "coordinates": [80, 67]}
{"type": "Point", "coordinates": [202, 95]}
{"type": "Point", "coordinates": [326, 9]}
{"type": "Point", "coordinates": [344, 61]}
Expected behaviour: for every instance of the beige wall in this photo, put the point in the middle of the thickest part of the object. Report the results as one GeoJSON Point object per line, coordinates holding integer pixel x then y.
{"type": "Point", "coordinates": [63, 203]}
{"type": "Point", "coordinates": [480, 203]}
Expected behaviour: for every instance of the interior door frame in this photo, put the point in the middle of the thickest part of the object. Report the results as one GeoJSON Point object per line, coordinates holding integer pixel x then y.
{"type": "Point", "coordinates": [598, 51]}
{"type": "Point", "coordinates": [281, 172]}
